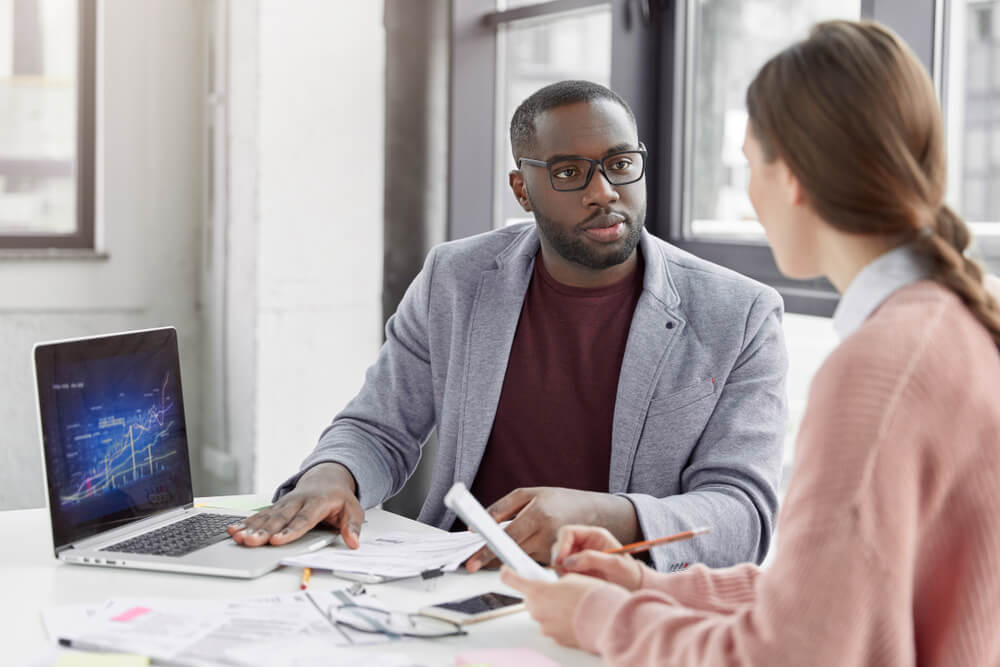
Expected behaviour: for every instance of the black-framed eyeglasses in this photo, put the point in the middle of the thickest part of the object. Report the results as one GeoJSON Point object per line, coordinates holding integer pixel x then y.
{"type": "Point", "coordinates": [567, 174]}
{"type": "Point", "coordinates": [393, 624]}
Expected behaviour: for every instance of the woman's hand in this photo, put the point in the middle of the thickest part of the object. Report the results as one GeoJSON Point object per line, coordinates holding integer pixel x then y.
{"type": "Point", "coordinates": [553, 604]}
{"type": "Point", "coordinates": [578, 550]}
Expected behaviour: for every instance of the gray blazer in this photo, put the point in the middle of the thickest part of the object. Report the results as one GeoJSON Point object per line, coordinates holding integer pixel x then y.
{"type": "Point", "coordinates": [699, 419]}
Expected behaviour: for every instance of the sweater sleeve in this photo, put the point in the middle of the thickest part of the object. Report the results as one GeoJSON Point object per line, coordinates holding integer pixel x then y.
{"type": "Point", "coordinates": [850, 511]}
{"type": "Point", "coordinates": [792, 617]}
{"type": "Point", "coordinates": [703, 588]}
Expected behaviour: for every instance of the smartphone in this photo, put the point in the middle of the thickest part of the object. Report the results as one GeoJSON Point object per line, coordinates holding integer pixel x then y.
{"type": "Point", "coordinates": [477, 608]}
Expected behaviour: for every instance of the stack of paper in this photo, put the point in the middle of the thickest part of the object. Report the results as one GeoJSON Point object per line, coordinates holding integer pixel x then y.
{"type": "Point", "coordinates": [395, 555]}
{"type": "Point", "coordinates": [196, 632]}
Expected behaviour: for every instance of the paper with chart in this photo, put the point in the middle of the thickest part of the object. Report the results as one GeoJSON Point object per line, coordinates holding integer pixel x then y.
{"type": "Point", "coordinates": [197, 633]}
{"type": "Point", "coordinates": [395, 555]}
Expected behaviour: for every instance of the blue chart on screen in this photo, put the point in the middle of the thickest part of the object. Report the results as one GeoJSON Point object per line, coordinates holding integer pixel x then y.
{"type": "Point", "coordinates": [119, 432]}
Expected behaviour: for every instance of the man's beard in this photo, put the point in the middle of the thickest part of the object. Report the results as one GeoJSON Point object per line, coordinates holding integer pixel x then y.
{"type": "Point", "coordinates": [575, 249]}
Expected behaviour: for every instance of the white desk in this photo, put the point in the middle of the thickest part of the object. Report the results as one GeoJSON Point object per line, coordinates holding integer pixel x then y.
{"type": "Point", "coordinates": [31, 580]}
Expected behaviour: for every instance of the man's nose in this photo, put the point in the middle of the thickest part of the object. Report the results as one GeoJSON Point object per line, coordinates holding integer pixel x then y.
{"type": "Point", "coordinates": [599, 192]}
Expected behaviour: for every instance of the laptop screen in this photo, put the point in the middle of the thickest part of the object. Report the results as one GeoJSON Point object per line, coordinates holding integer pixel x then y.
{"type": "Point", "coordinates": [113, 431]}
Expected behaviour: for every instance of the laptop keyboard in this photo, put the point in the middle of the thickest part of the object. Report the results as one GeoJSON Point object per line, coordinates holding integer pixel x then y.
{"type": "Point", "coordinates": [180, 538]}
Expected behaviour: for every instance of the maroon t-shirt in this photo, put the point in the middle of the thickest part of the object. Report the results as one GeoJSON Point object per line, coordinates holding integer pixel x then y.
{"type": "Point", "coordinates": [553, 420]}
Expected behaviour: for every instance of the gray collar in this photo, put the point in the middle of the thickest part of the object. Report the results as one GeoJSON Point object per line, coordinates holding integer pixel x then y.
{"type": "Point", "coordinates": [875, 283]}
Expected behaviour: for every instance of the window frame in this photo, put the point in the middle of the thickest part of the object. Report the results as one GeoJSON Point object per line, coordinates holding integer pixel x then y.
{"type": "Point", "coordinates": [473, 94]}
{"type": "Point", "coordinates": [915, 20]}
{"type": "Point", "coordinates": [84, 167]}
{"type": "Point", "coordinates": [652, 42]}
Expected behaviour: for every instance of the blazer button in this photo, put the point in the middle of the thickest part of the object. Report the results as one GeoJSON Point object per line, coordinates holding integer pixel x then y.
{"type": "Point", "coordinates": [670, 325]}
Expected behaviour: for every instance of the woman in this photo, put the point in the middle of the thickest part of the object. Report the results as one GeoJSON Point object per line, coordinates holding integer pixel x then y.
{"type": "Point", "coordinates": [888, 545]}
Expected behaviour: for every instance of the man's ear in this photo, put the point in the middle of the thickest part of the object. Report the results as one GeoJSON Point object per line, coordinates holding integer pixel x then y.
{"type": "Point", "coordinates": [517, 186]}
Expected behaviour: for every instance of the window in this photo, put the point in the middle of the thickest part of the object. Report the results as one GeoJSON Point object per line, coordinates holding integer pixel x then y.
{"type": "Point", "coordinates": [730, 40]}
{"type": "Point", "coordinates": [719, 46]}
{"type": "Point", "coordinates": [503, 50]}
{"type": "Point", "coordinates": [46, 123]}
{"type": "Point", "coordinates": [684, 65]}
{"type": "Point", "coordinates": [972, 117]}
{"type": "Point", "coordinates": [536, 52]}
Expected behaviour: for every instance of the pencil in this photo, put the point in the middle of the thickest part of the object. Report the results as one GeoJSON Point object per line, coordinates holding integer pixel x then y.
{"type": "Point", "coordinates": [306, 573]}
{"type": "Point", "coordinates": [645, 545]}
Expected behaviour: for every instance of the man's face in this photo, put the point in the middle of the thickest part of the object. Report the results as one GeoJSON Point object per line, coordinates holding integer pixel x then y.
{"type": "Point", "coordinates": [597, 227]}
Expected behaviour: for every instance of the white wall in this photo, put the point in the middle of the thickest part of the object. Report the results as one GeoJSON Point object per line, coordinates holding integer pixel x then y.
{"type": "Point", "coordinates": [304, 232]}
{"type": "Point", "coordinates": [149, 221]}
{"type": "Point", "coordinates": [810, 340]}
{"type": "Point", "coordinates": [321, 159]}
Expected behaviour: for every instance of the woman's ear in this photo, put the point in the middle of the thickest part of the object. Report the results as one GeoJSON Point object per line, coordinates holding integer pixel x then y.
{"type": "Point", "coordinates": [516, 180]}
{"type": "Point", "coordinates": [793, 188]}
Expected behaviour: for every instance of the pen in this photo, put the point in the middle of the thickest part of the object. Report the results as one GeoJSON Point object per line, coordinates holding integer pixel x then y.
{"type": "Point", "coordinates": [645, 545]}
{"type": "Point", "coordinates": [77, 645]}
{"type": "Point", "coordinates": [306, 573]}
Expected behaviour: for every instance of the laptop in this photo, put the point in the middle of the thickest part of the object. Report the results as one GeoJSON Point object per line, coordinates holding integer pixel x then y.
{"type": "Point", "coordinates": [117, 466]}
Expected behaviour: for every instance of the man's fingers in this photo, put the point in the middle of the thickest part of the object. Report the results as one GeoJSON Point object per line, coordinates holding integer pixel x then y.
{"type": "Point", "coordinates": [349, 523]}
{"type": "Point", "coordinates": [539, 547]}
{"type": "Point", "coordinates": [520, 530]}
{"type": "Point", "coordinates": [299, 525]}
{"type": "Point", "coordinates": [491, 564]}
{"type": "Point", "coordinates": [508, 506]}
{"type": "Point", "coordinates": [276, 522]}
{"type": "Point", "coordinates": [258, 528]}
{"type": "Point", "coordinates": [477, 560]}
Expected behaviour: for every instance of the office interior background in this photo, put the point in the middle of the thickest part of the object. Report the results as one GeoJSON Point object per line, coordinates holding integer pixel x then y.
{"type": "Point", "coordinates": [267, 176]}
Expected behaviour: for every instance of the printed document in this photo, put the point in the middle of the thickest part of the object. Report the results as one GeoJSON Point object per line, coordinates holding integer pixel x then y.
{"type": "Point", "coordinates": [395, 555]}
{"type": "Point", "coordinates": [197, 633]}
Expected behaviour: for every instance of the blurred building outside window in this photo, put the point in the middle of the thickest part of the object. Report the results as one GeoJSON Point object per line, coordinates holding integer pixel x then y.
{"type": "Point", "coordinates": [972, 117]}
{"type": "Point", "coordinates": [730, 41]}
{"type": "Point", "coordinates": [536, 52]}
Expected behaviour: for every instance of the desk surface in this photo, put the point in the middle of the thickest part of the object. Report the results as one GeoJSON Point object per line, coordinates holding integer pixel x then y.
{"type": "Point", "coordinates": [31, 580]}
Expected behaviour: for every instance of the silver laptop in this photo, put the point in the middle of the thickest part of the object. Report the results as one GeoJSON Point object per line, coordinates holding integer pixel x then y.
{"type": "Point", "coordinates": [115, 447]}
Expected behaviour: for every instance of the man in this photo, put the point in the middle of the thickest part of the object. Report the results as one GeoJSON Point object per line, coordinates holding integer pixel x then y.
{"type": "Point", "coordinates": [577, 369]}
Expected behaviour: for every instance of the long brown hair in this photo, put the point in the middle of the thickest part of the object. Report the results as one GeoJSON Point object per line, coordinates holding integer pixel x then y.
{"type": "Point", "coordinates": [853, 114]}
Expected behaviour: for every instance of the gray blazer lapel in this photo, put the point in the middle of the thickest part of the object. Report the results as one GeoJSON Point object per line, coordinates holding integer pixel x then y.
{"type": "Point", "coordinates": [656, 324]}
{"type": "Point", "coordinates": [495, 315]}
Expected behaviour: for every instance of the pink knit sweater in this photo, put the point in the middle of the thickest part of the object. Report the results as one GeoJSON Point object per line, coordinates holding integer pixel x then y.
{"type": "Point", "coordinates": [888, 543]}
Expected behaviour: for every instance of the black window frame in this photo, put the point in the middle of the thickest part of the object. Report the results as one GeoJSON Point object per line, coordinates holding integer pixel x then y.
{"type": "Point", "coordinates": [84, 166]}
{"type": "Point", "coordinates": [472, 95]}
{"type": "Point", "coordinates": [651, 40]}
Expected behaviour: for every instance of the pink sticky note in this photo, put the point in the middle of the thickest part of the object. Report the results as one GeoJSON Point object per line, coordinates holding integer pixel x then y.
{"type": "Point", "coordinates": [130, 614]}
{"type": "Point", "coordinates": [505, 657]}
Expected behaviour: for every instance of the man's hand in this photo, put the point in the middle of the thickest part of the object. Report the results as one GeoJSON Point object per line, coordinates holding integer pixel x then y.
{"type": "Point", "coordinates": [325, 493]}
{"type": "Point", "coordinates": [539, 512]}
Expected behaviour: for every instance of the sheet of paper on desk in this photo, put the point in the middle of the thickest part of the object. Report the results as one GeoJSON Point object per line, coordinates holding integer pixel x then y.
{"type": "Point", "coordinates": [395, 555]}
{"type": "Point", "coordinates": [69, 619]}
{"type": "Point", "coordinates": [192, 632]}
